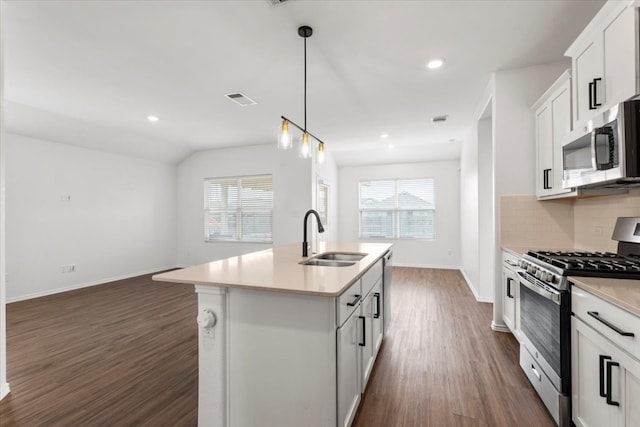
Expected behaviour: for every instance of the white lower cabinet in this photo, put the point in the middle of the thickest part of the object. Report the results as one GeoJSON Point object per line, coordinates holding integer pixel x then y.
{"type": "Point", "coordinates": [510, 294]}
{"type": "Point", "coordinates": [605, 378]}
{"type": "Point", "coordinates": [348, 370]}
{"type": "Point", "coordinates": [358, 340]}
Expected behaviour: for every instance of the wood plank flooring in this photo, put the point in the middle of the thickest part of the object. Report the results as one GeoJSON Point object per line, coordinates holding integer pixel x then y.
{"type": "Point", "coordinates": [125, 354]}
{"type": "Point", "coordinates": [442, 365]}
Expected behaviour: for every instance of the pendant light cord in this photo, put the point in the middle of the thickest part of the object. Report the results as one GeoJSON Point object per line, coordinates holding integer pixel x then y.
{"type": "Point", "coordinates": [305, 84]}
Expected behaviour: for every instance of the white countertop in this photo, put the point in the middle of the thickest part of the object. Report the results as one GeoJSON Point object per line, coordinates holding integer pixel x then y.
{"type": "Point", "coordinates": [278, 269]}
{"type": "Point", "coordinates": [624, 293]}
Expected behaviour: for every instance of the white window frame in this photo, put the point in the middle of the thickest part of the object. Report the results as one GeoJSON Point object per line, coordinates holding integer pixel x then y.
{"type": "Point", "coordinates": [395, 210]}
{"type": "Point", "coordinates": [238, 211]}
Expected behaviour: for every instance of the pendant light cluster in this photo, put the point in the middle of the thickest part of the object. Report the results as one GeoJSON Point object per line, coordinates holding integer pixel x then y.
{"type": "Point", "coordinates": [284, 136]}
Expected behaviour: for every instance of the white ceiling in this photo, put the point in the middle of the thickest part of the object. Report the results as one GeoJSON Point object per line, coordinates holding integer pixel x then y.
{"type": "Point", "coordinates": [89, 72]}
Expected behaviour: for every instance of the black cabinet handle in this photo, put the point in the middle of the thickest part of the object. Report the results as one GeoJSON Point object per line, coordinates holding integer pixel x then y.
{"type": "Point", "coordinates": [364, 332]}
{"type": "Point", "coordinates": [595, 93]}
{"type": "Point", "coordinates": [377, 313]}
{"type": "Point", "coordinates": [609, 400]}
{"type": "Point", "coordinates": [603, 393]}
{"type": "Point", "coordinates": [591, 96]}
{"type": "Point", "coordinates": [356, 300]}
{"type": "Point", "coordinates": [509, 280]}
{"type": "Point", "coordinates": [545, 180]}
{"type": "Point", "coordinates": [596, 316]}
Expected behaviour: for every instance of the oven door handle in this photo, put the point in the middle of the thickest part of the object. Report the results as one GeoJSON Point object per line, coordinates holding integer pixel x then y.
{"type": "Point", "coordinates": [552, 296]}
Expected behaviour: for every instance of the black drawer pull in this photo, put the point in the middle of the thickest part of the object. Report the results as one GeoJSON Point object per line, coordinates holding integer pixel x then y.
{"type": "Point", "coordinates": [377, 297]}
{"type": "Point", "coordinates": [509, 294]}
{"type": "Point", "coordinates": [610, 401]}
{"type": "Point", "coordinates": [356, 300]}
{"type": "Point", "coordinates": [596, 316]}
{"type": "Point", "coordinates": [364, 332]}
{"type": "Point", "coordinates": [603, 393]}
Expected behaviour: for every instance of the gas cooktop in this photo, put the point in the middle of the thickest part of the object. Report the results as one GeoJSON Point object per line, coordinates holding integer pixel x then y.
{"type": "Point", "coordinates": [598, 264]}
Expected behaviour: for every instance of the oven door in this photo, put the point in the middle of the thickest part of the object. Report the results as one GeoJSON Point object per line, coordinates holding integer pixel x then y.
{"type": "Point", "coordinates": [544, 325]}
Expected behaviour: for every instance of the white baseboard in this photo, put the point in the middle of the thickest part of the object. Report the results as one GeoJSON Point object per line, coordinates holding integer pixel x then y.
{"type": "Point", "coordinates": [86, 284]}
{"type": "Point", "coordinates": [499, 327]}
{"type": "Point", "coordinates": [473, 289]}
{"type": "Point", "coordinates": [4, 390]}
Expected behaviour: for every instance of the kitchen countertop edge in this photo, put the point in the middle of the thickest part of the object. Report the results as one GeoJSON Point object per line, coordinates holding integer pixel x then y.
{"type": "Point", "coordinates": [269, 269]}
{"type": "Point", "coordinates": [623, 293]}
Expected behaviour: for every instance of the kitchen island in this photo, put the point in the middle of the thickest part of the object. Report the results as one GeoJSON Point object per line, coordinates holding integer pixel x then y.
{"type": "Point", "coordinates": [282, 343]}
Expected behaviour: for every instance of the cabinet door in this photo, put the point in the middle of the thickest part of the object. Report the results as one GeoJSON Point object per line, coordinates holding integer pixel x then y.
{"type": "Point", "coordinates": [509, 286]}
{"type": "Point", "coordinates": [348, 370]}
{"type": "Point", "coordinates": [589, 354]}
{"type": "Point", "coordinates": [544, 142]}
{"type": "Point", "coordinates": [366, 335]}
{"type": "Point", "coordinates": [377, 320]}
{"type": "Point", "coordinates": [620, 39]}
{"type": "Point", "coordinates": [587, 65]}
{"type": "Point", "coordinates": [560, 126]}
{"type": "Point", "coordinates": [631, 404]}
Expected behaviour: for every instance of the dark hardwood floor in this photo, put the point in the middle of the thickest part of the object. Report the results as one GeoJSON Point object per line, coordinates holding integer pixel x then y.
{"type": "Point", "coordinates": [125, 354]}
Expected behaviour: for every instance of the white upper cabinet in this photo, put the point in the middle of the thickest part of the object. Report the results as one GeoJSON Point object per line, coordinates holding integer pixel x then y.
{"type": "Point", "coordinates": [604, 61]}
{"type": "Point", "coordinates": [553, 122]}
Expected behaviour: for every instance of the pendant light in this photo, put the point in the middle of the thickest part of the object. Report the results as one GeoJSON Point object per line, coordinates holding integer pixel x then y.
{"type": "Point", "coordinates": [284, 136]}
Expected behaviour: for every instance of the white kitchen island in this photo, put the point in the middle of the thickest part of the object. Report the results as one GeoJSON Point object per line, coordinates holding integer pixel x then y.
{"type": "Point", "coordinates": [285, 344]}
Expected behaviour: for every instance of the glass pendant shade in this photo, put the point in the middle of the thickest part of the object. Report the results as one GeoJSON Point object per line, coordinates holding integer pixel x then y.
{"type": "Point", "coordinates": [304, 149]}
{"type": "Point", "coordinates": [284, 136]}
{"type": "Point", "coordinates": [320, 158]}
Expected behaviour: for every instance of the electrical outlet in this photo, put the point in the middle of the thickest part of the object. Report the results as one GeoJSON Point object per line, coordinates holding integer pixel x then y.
{"type": "Point", "coordinates": [67, 268]}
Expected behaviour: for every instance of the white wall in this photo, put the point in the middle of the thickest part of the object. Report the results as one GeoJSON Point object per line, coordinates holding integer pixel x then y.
{"type": "Point", "coordinates": [292, 197]}
{"type": "Point", "coordinates": [469, 197]}
{"type": "Point", "coordinates": [328, 173]}
{"type": "Point", "coordinates": [120, 220]}
{"type": "Point", "coordinates": [444, 252]}
{"type": "Point", "coordinates": [486, 209]}
{"type": "Point", "coordinates": [510, 94]}
{"type": "Point", "coordinates": [4, 386]}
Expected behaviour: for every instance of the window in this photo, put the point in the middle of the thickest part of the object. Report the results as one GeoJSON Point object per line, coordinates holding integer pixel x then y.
{"type": "Point", "coordinates": [397, 209]}
{"type": "Point", "coordinates": [238, 209]}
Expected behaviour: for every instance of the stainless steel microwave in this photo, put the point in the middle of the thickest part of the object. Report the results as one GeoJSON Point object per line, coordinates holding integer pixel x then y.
{"type": "Point", "coordinates": [605, 152]}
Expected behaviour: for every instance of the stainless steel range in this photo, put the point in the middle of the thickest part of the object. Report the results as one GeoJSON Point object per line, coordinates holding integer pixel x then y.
{"type": "Point", "coordinates": [545, 310]}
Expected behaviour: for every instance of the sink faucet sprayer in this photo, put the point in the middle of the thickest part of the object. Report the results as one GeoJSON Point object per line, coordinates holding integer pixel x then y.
{"type": "Point", "coordinates": [305, 248]}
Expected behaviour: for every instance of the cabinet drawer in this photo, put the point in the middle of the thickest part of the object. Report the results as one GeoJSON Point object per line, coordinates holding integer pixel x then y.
{"type": "Point", "coordinates": [348, 302]}
{"type": "Point", "coordinates": [605, 318]}
{"type": "Point", "coordinates": [371, 277]}
{"type": "Point", "coordinates": [509, 260]}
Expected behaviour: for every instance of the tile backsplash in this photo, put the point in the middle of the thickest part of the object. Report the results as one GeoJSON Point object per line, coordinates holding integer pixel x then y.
{"type": "Point", "coordinates": [581, 223]}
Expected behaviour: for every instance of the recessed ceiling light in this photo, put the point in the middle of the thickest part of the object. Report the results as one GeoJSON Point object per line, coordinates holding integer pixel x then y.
{"type": "Point", "coordinates": [435, 63]}
{"type": "Point", "coordinates": [384, 135]}
{"type": "Point", "coordinates": [390, 146]}
{"type": "Point", "coordinates": [153, 119]}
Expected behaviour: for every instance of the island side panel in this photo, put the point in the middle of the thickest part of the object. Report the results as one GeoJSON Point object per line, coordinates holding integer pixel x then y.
{"type": "Point", "coordinates": [213, 358]}
{"type": "Point", "coordinates": [282, 359]}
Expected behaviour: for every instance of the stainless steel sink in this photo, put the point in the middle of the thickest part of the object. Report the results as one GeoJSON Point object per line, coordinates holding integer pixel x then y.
{"type": "Point", "coordinates": [341, 256]}
{"type": "Point", "coordinates": [327, 262]}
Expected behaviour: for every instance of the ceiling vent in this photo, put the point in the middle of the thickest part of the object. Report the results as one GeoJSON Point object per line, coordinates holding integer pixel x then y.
{"type": "Point", "coordinates": [241, 99]}
{"type": "Point", "coordinates": [439, 119]}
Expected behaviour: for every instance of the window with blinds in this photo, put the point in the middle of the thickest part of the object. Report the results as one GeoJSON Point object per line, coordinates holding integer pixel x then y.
{"type": "Point", "coordinates": [397, 209]}
{"type": "Point", "coordinates": [238, 209]}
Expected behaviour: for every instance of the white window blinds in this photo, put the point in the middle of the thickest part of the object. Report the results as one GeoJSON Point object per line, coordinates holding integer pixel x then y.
{"type": "Point", "coordinates": [238, 209]}
{"type": "Point", "coordinates": [397, 209]}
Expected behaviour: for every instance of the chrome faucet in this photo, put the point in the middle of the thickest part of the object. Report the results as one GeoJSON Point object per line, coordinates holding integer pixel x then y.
{"type": "Point", "coordinates": [305, 246]}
